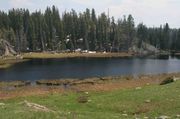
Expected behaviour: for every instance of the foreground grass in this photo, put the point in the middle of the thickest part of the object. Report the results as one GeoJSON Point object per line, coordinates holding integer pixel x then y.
{"type": "Point", "coordinates": [150, 101]}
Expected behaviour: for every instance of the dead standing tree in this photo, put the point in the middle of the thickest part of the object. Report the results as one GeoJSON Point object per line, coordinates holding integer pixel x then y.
{"type": "Point", "coordinates": [6, 49]}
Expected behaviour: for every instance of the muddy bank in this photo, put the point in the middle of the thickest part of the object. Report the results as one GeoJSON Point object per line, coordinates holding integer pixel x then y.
{"type": "Point", "coordinates": [42, 87]}
{"type": "Point", "coordinates": [110, 79]}
{"type": "Point", "coordinates": [92, 81]}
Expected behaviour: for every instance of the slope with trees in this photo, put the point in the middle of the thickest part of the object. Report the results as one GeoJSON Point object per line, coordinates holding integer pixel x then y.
{"type": "Point", "coordinates": [52, 31]}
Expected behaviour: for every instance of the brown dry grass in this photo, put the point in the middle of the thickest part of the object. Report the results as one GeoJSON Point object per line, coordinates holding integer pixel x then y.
{"type": "Point", "coordinates": [29, 91]}
{"type": "Point", "coordinates": [11, 60]}
{"type": "Point", "coordinates": [72, 55]}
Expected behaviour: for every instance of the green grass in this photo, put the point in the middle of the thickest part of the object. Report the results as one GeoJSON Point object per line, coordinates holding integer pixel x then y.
{"type": "Point", "coordinates": [165, 100]}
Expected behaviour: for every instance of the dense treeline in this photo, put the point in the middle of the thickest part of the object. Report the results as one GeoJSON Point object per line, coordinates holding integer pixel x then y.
{"type": "Point", "coordinates": [50, 31]}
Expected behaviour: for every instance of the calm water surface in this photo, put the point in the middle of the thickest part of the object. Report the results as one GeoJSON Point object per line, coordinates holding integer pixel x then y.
{"type": "Point", "coordinates": [88, 67]}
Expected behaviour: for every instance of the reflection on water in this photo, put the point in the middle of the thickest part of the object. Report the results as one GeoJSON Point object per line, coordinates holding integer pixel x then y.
{"type": "Point", "coordinates": [89, 67]}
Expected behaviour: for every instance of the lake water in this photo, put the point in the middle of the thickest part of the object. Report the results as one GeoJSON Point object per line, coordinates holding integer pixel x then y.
{"type": "Point", "coordinates": [37, 69]}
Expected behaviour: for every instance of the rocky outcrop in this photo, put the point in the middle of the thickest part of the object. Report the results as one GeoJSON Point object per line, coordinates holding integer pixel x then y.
{"type": "Point", "coordinates": [6, 49]}
{"type": "Point", "coordinates": [169, 80]}
{"type": "Point", "coordinates": [145, 49]}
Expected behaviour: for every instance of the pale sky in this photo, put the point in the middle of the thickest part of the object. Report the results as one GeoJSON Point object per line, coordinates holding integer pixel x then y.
{"type": "Point", "coordinates": [150, 12]}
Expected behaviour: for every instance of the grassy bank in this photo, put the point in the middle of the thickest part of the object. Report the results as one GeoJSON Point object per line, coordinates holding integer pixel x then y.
{"type": "Point", "coordinates": [9, 61]}
{"type": "Point", "coordinates": [110, 99]}
{"type": "Point", "coordinates": [72, 55]}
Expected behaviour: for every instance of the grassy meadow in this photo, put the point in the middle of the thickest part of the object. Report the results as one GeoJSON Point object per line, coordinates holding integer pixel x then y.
{"type": "Point", "coordinates": [141, 102]}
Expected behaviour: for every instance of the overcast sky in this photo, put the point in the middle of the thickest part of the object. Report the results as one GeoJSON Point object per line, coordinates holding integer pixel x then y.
{"type": "Point", "coordinates": [150, 12]}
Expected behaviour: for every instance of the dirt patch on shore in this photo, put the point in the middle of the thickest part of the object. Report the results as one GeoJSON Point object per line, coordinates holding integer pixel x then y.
{"type": "Point", "coordinates": [29, 91]}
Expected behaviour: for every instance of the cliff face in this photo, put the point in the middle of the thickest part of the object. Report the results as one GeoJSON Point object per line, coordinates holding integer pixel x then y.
{"type": "Point", "coordinates": [6, 49]}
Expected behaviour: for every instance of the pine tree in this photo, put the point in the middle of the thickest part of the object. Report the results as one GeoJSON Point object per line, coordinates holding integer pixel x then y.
{"type": "Point", "coordinates": [141, 34]}
{"type": "Point", "coordinates": [50, 31]}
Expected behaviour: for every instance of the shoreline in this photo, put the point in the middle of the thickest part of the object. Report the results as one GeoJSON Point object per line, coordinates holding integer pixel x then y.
{"type": "Point", "coordinates": [11, 60]}
{"type": "Point", "coordinates": [13, 89]}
